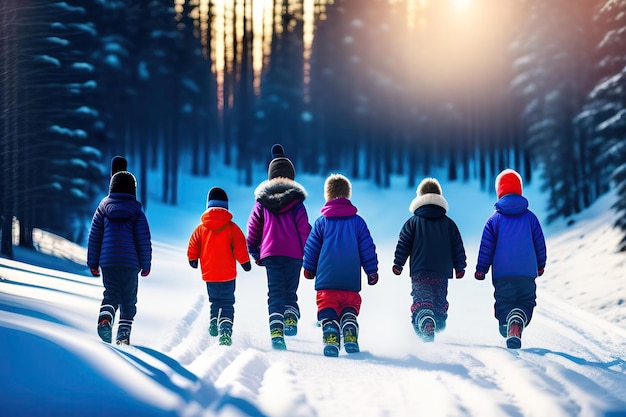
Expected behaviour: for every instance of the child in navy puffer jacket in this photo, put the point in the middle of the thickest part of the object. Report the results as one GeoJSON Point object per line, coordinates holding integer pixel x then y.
{"type": "Point", "coordinates": [514, 246]}
{"type": "Point", "coordinates": [433, 242]}
{"type": "Point", "coordinates": [119, 244]}
{"type": "Point", "coordinates": [338, 247]}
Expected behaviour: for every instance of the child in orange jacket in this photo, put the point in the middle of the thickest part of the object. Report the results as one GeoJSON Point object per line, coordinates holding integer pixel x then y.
{"type": "Point", "coordinates": [219, 243]}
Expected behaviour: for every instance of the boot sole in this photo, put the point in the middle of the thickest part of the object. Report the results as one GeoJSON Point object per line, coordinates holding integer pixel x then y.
{"type": "Point", "coordinates": [351, 347]}
{"type": "Point", "coordinates": [278, 343]}
{"type": "Point", "coordinates": [331, 351]}
{"type": "Point", "coordinates": [291, 330]}
{"type": "Point", "coordinates": [106, 334]}
{"type": "Point", "coordinates": [513, 342]}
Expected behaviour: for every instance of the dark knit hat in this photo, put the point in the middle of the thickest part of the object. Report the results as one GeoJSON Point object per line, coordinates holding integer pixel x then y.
{"type": "Point", "coordinates": [280, 166]}
{"type": "Point", "coordinates": [123, 182]}
{"type": "Point", "coordinates": [336, 186]}
{"type": "Point", "coordinates": [429, 186]}
{"type": "Point", "coordinates": [508, 182]}
{"type": "Point", "coordinates": [217, 198]}
{"type": "Point", "coordinates": [118, 163]}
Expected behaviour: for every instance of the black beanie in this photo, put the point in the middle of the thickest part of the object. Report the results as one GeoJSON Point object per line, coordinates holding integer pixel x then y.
{"type": "Point", "coordinates": [118, 163]}
{"type": "Point", "coordinates": [123, 182]}
{"type": "Point", "coordinates": [280, 166]}
{"type": "Point", "coordinates": [217, 198]}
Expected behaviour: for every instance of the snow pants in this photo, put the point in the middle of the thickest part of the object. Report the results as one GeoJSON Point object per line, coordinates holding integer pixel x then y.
{"type": "Point", "coordinates": [283, 278]}
{"type": "Point", "coordinates": [222, 300]}
{"type": "Point", "coordinates": [514, 292]}
{"type": "Point", "coordinates": [430, 293]}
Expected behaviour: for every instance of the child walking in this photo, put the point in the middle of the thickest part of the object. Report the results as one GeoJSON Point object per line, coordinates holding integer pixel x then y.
{"type": "Point", "coordinates": [339, 245]}
{"type": "Point", "coordinates": [119, 244]}
{"type": "Point", "coordinates": [278, 227]}
{"type": "Point", "coordinates": [514, 246]}
{"type": "Point", "coordinates": [219, 243]}
{"type": "Point", "coordinates": [434, 243]}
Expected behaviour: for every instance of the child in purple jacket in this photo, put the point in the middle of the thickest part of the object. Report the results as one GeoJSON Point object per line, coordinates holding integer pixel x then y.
{"type": "Point", "coordinates": [278, 227]}
{"type": "Point", "coordinates": [514, 246]}
{"type": "Point", "coordinates": [336, 250]}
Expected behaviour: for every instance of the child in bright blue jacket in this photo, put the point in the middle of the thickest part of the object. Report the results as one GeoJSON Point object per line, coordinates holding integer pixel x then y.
{"type": "Point", "coordinates": [339, 245]}
{"type": "Point", "coordinates": [514, 247]}
{"type": "Point", "coordinates": [119, 244]}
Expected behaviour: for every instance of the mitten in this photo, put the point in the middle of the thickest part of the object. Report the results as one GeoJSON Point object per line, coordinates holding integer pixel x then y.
{"type": "Point", "coordinates": [397, 269]}
{"type": "Point", "coordinates": [460, 274]}
{"type": "Point", "coordinates": [193, 263]}
{"type": "Point", "coordinates": [95, 272]}
{"type": "Point", "coordinates": [540, 272]}
{"type": "Point", "coordinates": [372, 279]}
{"type": "Point", "coordinates": [479, 275]}
{"type": "Point", "coordinates": [145, 272]}
{"type": "Point", "coordinates": [309, 274]}
{"type": "Point", "coordinates": [246, 266]}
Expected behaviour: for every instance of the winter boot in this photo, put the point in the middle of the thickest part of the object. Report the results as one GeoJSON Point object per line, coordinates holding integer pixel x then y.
{"type": "Point", "coordinates": [515, 320]}
{"type": "Point", "coordinates": [277, 331]}
{"type": "Point", "coordinates": [424, 324]}
{"type": "Point", "coordinates": [105, 322]}
{"type": "Point", "coordinates": [330, 337]}
{"type": "Point", "coordinates": [291, 322]}
{"type": "Point", "coordinates": [213, 331]}
{"type": "Point", "coordinates": [123, 332]}
{"type": "Point", "coordinates": [350, 332]}
{"type": "Point", "coordinates": [225, 332]}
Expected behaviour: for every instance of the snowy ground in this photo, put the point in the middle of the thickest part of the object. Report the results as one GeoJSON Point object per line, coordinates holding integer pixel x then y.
{"type": "Point", "coordinates": [572, 362]}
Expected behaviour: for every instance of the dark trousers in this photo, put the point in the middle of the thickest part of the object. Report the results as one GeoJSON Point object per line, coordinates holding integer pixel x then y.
{"type": "Point", "coordinates": [283, 278]}
{"type": "Point", "coordinates": [431, 293]}
{"type": "Point", "coordinates": [222, 299]}
{"type": "Point", "coordinates": [514, 292]}
{"type": "Point", "coordinates": [120, 289]}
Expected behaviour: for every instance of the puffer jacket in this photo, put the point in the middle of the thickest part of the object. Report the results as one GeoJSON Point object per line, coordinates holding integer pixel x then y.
{"type": "Point", "coordinates": [431, 239]}
{"type": "Point", "coordinates": [512, 241]}
{"type": "Point", "coordinates": [218, 242]}
{"type": "Point", "coordinates": [119, 234]}
{"type": "Point", "coordinates": [338, 246]}
{"type": "Point", "coordinates": [278, 224]}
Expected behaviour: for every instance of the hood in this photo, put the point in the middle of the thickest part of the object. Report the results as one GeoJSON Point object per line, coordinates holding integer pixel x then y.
{"type": "Point", "coordinates": [512, 204]}
{"type": "Point", "coordinates": [427, 199]}
{"type": "Point", "coordinates": [279, 194]}
{"type": "Point", "coordinates": [215, 218]}
{"type": "Point", "coordinates": [121, 206]}
{"type": "Point", "coordinates": [338, 207]}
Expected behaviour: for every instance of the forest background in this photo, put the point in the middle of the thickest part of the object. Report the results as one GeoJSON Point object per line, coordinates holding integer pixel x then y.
{"type": "Point", "coordinates": [373, 89]}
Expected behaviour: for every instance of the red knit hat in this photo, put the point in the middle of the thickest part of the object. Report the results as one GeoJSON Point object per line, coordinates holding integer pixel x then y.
{"type": "Point", "coordinates": [508, 182]}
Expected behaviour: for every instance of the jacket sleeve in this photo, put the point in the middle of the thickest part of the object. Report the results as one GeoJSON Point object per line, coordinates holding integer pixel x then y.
{"type": "Point", "coordinates": [540, 243]}
{"type": "Point", "coordinates": [487, 245]}
{"type": "Point", "coordinates": [96, 233]}
{"type": "Point", "coordinates": [193, 248]}
{"type": "Point", "coordinates": [303, 225]}
{"type": "Point", "coordinates": [313, 246]}
{"type": "Point", "coordinates": [255, 231]}
{"type": "Point", "coordinates": [143, 241]}
{"type": "Point", "coordinates": [240, 250]}
{"type": "Point", "coordinates": [458, 250]}
{"type": "Point", "coordinates": [405, 243]}
{"type": "Point", "coordinates": [367, 250]}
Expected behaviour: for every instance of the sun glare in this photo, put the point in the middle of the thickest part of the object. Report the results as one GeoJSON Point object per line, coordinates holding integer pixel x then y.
{"type": "Point", "coordinates": [462, 5]}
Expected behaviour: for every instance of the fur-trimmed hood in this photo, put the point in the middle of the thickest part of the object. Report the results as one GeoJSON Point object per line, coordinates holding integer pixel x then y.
{"type": "Point", "coordinates": [279, 193]}
{"type": "Point", "coordinates": [426, 199]}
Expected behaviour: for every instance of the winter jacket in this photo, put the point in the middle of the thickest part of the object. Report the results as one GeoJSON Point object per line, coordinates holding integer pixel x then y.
{"type": "Point", "coordinates": [338, 246]}
{"type": "Point", "coordinates": [278, 224]}
{"type": "Point", "coordinates": [512, 240]}
{"type": "Point", "coordinates": [218, 243]}
{"type": "Point", "coordinates": [431, 239]}
{"type": "Point", "coordinates": [119, 234]}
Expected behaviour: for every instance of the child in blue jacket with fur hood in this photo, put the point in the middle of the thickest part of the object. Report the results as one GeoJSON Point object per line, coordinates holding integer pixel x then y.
{"type": "Point", "coordinates": [339, 245]}
{"type": "Point", "coordinates": [514, 246]}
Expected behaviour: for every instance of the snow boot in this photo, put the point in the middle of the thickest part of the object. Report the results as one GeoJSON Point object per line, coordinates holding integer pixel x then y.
{"type": "Point", "coordinates": [291, 322]}
{"type": "Point", "coordinates": [515, 320]}
{"type": "Point", "coordinates": [277, 331]}
{"type": "Point", "coordinates": [213, 330]}
{"type": "Point", "coordinates": [424, 324]}
{"type": "Point", "coordinates": [123, 332]}
{"type": "Point", "coordinates": [105, 322]}
{"type": "Point", "coordinates": [330, 337]}
{"type": "Point", "coordinates": [350, 332]}
{"type": "Point", "coordinates": [225, 332]}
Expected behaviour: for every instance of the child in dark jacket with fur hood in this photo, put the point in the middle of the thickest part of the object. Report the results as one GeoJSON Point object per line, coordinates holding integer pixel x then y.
{"type": "Point", "coordinates": [339, 245]}
{"type": "Point", "coordinates": [514, 247]}
{"type": "Point", "coordinates": [433, 242]}
{"type": "Point", "coordinates": [119, 244]}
